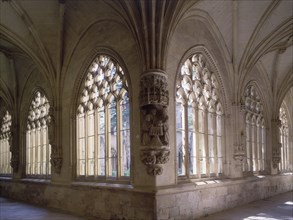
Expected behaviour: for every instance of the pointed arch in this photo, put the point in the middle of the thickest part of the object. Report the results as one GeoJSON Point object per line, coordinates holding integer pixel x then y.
{"type": "Point", "coordinates": [255, 130]}
{"type": "Point", "coordinates": [200, 131]}
{"type": "Point", "coordinates": [37, 146]}
{"type": "Point", "coordinates": [103, 120]}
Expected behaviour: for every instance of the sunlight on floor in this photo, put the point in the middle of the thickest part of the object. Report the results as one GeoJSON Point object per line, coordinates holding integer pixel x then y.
{"type": "Point", "coordinates": [259, 218]}
{"type": "Point", "coordinates": [288, 203]}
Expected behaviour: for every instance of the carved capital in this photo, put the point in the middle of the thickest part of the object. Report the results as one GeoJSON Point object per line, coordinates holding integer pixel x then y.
{"type": "Point", "coordinates": [153, 158]}
{"type": "Point", "coordinates": [154, 170]}
{"type": "Point", "coordinates": [153, 89]}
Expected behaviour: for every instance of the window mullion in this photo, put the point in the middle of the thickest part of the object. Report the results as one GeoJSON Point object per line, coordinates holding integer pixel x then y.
{"type": "Point", "coordinates": [86, 143]}
{"type": "Point", "coordinates": [78, 145]}
{"type": "Point", "coordinates": [42, 150]}
{"type": "Point", "coordinates": [107, 145]}
{"type": "Point", "coordinates": [96, 143]}
{"type": "Point", "coordinates": [119, 140]}
{"type": "Point", "coordinates": [250, 146]}
{"type": "Point", "coordinates": [197, 142]}
{"type": "Point", "coordinates": [186, 144]}
{"type": "Point", "coordinates": [34, 152]}
{"type": "Point", "coordinates": [215, 136]}
{"type": "Point", "coordinates": [206, 143]}
{"type": "Point", "coordinates": [260, 156]}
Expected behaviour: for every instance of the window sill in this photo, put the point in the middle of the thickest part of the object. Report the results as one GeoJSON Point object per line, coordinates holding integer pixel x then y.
{"type": "Point", "coordinates": [32, 180]}
{"type": "Point", "coordinates": [102, 185]}
{"type": "Point", "coordinates": [5, 177]}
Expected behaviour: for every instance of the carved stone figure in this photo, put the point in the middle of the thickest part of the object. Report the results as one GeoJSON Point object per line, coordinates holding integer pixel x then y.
{"type": "Point", "coordinates": [154, 121]}
{"type": "Point", "coordinates": [240, 153]}
{"type": "Point", "coordinates": [276, 155]}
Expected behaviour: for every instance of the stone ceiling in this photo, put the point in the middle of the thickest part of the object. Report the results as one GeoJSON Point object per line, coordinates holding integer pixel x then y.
{"type": "Point", "coordinates": [255, 33]}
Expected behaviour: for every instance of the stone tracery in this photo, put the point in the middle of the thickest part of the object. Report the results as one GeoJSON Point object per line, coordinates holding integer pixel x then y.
{"type": "Point", "coordinates": [103, 121]}
{"type": "Point", "coordinates": [255, 131]}
{"type": "Point", "coordinates": [38, 147]}
{"type": "Point", "coordinates": [6, 144]}
{"type": "Point", "coordinates": [284, 141]}
{"type": "Point", "coordinates": [198, 93]}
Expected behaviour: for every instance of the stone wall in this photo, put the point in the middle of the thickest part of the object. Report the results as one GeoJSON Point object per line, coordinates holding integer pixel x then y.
{"type": "Point", "coordinates": [190, 201]}
{"type": "Point", "coordinates": [183, 201]}
{"type": "Point", "coordinates": [84, 199]}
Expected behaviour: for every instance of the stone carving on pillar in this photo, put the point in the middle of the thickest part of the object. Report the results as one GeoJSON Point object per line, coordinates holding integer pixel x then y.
{"type": "Point", "coordinates": [276, 151]}
{"type": "Point", "coordinates": [14, 162]}
{"type": "Point", "coordinates": [240, 146]}
{"type": "Point", "coordinates": [276, 155]}
{"type": "Point", "coordinates": [56, 158]}
{"type": "Point", "coordinates": [154, 121]}
{"type": "Point", "coordinates": [240, 153]}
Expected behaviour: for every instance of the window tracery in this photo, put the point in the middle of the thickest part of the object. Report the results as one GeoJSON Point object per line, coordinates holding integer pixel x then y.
{"type": "Point", "coordinates": [284, 140]}
{"type": "Point", "coordinates": [255, 132]}
{"type": "Point", "coordinates": [199, 120]}
{"type": "Point", "coordinates": [5, 145]}
{"type": "Point", "coordinates": [103, 127]}
{"type": "Point", "coordinates": [38, 149]}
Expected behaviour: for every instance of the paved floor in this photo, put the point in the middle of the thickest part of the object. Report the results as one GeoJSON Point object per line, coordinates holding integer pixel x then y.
{"type": "Point", "coordinates": [279, 207]}
{"type": "Point", "coordinates": [12, 210]}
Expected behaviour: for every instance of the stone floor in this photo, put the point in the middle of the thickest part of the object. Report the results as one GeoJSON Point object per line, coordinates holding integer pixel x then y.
{"type": "Point", "coordinates": [279, 207]}
{"type": "Point", "coordinates": [13, 210]}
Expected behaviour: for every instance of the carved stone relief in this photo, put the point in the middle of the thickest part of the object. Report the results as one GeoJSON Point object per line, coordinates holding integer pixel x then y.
{"type": "Point", "coordinates": [276, 158]}
{"type": "Point", "coordinates": [14, 162]}
{"type": "Point", "coordinates": [56, 157]}
{"type": "Point", "coordinates": [154, 122]}
{"type": "Point", "coordinates": [240, 153]}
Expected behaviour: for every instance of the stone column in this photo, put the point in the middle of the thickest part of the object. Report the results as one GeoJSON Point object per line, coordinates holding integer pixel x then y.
{"type": "Point", "coordinates": [13, 139]}
{"type": "Point", "coordinates": [276, 145]}
{"type": "Point", "coordinates": [239, 153]}
{"type": "Point", "coordinates": [56, 156]}
{"type": "Point", "coordinates": [154, 135]}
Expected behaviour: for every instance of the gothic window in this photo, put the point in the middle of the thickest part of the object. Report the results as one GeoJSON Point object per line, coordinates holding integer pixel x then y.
{"type": "Point", "coordinates": [199, 120]}
{"type": "Point", "coordinates": [255, 132]}
{"type": "Point", "coordinates": [38, 149]}
{"type": "Point", "coordinates": [103, 131]}
{"type": "Point", "coordinates": [5, 140]}
{"type": "Point", "coordinates": [284, 139]}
